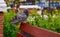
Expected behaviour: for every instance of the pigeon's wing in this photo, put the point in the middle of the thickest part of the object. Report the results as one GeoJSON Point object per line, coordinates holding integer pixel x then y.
{"type": "Point", "coordinates": [21, 17]}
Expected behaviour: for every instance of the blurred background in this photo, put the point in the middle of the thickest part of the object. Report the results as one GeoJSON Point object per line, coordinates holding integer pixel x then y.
{"type": "Point", "coordinates": [47, 12]}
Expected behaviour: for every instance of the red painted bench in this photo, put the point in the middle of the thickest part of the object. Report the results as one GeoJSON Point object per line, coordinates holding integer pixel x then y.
{"type": "Point", "coordinates": [36, 31]}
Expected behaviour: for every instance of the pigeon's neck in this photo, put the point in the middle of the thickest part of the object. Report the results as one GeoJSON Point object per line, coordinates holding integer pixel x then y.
{"type": "Point", "coordinates": [26, 13]}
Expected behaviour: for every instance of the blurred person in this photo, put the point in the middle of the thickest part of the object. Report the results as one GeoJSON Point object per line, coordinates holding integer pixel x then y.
{"type": "Point", "coordinates": [16, 8]}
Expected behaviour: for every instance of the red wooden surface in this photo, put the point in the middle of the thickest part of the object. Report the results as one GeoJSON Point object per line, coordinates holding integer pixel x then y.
{"type": "Point", "coordinates": [20, 35]}
{"type": "Point", "coordinates": [37, 32]}
{"type": "Point", "coordinates": [1, 24]}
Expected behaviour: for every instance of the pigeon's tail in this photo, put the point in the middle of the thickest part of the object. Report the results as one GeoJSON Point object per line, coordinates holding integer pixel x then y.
{"type": "Point", "coordinates": [14, 20]}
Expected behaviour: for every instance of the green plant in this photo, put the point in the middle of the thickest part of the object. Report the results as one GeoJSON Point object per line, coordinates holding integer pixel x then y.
{"type": "Point", "coordinates": [52, 23]}
{"type": "Point", "coordinates": [9, 29]}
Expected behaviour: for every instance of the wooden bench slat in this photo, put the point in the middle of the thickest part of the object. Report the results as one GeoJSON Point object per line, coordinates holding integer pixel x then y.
{"type": "Point", "coordinates": [20, 35]}
{"type": "Point", "coordinates": [1, 24]}
{"type": "Point", "coordinates": [37, 32]}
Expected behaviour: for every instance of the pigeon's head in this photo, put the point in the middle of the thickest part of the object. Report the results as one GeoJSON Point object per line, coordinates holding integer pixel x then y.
{"type": "Point", "coordinates": [26, 12]}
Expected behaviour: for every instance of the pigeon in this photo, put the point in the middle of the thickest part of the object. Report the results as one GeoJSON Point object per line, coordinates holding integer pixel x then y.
{"type": "Point", "coordinates": [20, 17]}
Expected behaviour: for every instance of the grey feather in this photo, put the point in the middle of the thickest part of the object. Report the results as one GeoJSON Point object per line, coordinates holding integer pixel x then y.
{"type": "Point", "coordinates": [20, 17]}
